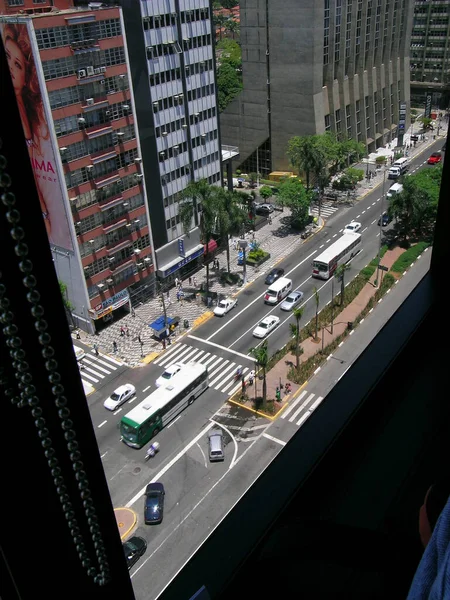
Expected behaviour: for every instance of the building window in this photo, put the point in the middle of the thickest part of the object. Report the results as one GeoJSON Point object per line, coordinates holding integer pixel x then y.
{"type": "Point", "coordinates": [326, 33]}
{"type": "Point", "coordinates": [337, 118]}
{"type": "Point", "coordinates": [108, 28]}
{"type": "Point", "coordinates": [15, 2]}
{"type": "Point", "coordinates": [367, 110]}
{"type": "Point", "coordinates": [52, 37]}
{"type": "Point", "coordinates": [64, 97]}
{"type": "Point", "coordinates": [337, 31]}
{"type": "Point", "coordinates": [348, 121]}
{"type": "Point", "coordinates": [348, 30]}
{"type": "Point", "coordinates": [327, 123]}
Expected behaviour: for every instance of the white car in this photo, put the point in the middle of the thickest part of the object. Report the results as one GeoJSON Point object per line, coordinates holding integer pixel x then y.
{"type": "Point", "coordinates": [168, 374]}
{"type": "Point", "coordinates": [225, 306]}
{"type": "Point", "coordinates": [266, 326]}
{"type": "Point", "coordinates": [79, 353]}
{"type": "Point", "coordinates": [352, 227]}
{"type": "Point", "coordinates": [119, 396]}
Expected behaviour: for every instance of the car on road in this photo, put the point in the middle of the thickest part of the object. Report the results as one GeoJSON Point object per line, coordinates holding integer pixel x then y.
{"type": "Point", "coordinates": [292, 300]}
{"type": "Point", "coordinates": [263, 209]}
{"type": "Point", "coordinates": [79, 353]}
{"type": "Point", "coordinates": [225, 306]}
{"type": "Point", "coordinates": [134, 548]}
{"type": "Point", "coordinates": [119, 396]}
{"type": "Point", "coordinates": [384, 220]}
{"type": "Point", "coordinates": [267, 325]}
{"type": "Point", "coordinates": [170, 372]}
{"type": "Point", "coordinates": [435, 158]}
{"type": "Point", "coordinates": [352, 227]}
{"type": "Point", "coordinates": [215, 445]}
{"type": "Point", "coordinates": [273, 275]}
{"type": "Point", "coordinates": [154, 503]}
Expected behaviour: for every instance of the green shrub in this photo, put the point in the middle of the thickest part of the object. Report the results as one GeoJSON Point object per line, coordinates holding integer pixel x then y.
{"type": "Point", "coordinates": [257, 254]}
{"type": "Point", "coordinates": [406, 259]}
{"type": "Point", "coordinates": [367, 272]}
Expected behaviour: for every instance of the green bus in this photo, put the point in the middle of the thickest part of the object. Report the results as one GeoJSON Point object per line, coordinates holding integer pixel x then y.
{"type": "Point", "coordinates": [146, 419]}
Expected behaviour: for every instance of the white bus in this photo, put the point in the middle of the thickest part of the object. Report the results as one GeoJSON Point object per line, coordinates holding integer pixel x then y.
{"type": "Point", "coordinates": [146, 419]}
{"type": "Point", "coordinates": [337, 254]}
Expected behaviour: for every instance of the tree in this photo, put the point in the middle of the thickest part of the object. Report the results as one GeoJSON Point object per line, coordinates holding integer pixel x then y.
{"type": "Point", "coordinates": [199, 195]}
{"type": "Point", "coordinates": [340, 276]}
{"type": "Point", "coordinates": [317, 299]}
{"type": "Point", "coordinates": [68, 306]}
{"type": "Point", "coordinates": [426, 122]}
{"type": "Point", "coordinates": [229, 4]}
{"type": "Point", "coordinates": [230, 52]}
{"type": "Point", "coordinates": [261, 354]}
{"type": "Point", "coordinates": [348, 179]}
{"type": "Point", "coordinates": [233, 27]}
{"type": "Point", "coordinates": [292, 193]}
{"type": "Point", "coordinates": [305, 155]}
{"type": "Point", "coordinates": [231, 217]}
{"type": "Point", "coordinates": [228, 84]}
{"type": "Point", "coordinates": [295, 329]}
{"type": "Point", "coordinates": [265, 192]}
{"type": "Point", "coordinates": [219, 22]}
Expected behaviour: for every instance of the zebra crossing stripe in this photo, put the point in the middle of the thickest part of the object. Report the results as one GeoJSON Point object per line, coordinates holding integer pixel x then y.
{"type": "Point", "coordinates": [102, 362]}
{"type": "Point", "coordinates": [211, 383]}
{"type": "Point", "coordinates": [96, 366]}
{"type": "Point", "coordinates": [231, 382]}
{"type": "Point", "coordinates": [85, 375]}
{"type": "Point", "coordinates": [177, 355]}
{"type": "Point", "coordinates": [298, 411]}
{"type": "Point", "coordinates": [168, 353]}
{"type": "Point", "coordinates": [293, 405]}
{"type": "Point", "coordinates": [196, 356]}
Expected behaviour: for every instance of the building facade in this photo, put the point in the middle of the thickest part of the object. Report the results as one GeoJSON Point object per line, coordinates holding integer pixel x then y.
{"type": "Point", "coordinates": [311, 67]}
{"type": "Point", "coordinates": [81, 132]}
{"type": "Point", "coordinates": [430, 53]}
{"type": "Point", "coordinates": [170, 44]}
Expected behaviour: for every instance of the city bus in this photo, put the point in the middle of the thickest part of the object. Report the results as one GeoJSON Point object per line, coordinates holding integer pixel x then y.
{"type": "Point", "coordinates": [337, 254]}
{"type": "Point", "coordinates": [146, 419]}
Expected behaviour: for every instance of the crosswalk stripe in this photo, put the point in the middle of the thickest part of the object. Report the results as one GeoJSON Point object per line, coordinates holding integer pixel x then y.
{"type": "Point", "coordinates": [189, 354]}
{"type": "Point", "coordinates": [177, 355]}
{"type": "Point", "coordinates": [113, 360]}
{"type": "Point", "coordinates": [92, 371]}
{"type": "Point", "coordinates": [293, 405]}
{"type": "Point", "coordinates": [232, 381]}
{"type": "Point", "coordinates": [298, 411]}
{"type": "Point", "coordinates": [218, 368]}
{"type": "Point", "coordinates": [103, 362]}
{"type": "Point", "coordinates": [228, 376]}
{"type": "Point", "coordinates": [206, 356]}
{"type": "Point", "coordinates": [303, 418]}
{"type": "Point", "coordinates": [167, 353]}
{"type": "Point", "coordinates": [222, 373]}
{"type": "Point", "coordinates": [196, 356]}
{"type": "Point", "coordinates": [89, 377]}
{"type": "Point", "coordinates": [95, 365]}
{"type": "Point", "coordinates": [316, 403]}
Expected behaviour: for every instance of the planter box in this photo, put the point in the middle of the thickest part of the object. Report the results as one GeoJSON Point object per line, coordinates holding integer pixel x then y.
{"type": "Point", "coordinates": [257, 263]}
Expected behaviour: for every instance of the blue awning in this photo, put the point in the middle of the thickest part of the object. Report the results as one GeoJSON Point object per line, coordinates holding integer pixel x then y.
{"type": "Point", "coordinates": [160, 323]}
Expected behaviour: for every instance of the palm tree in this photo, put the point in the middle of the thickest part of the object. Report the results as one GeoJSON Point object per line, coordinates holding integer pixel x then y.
{"type": "Point", "coordinates": [219, 22]}
{"type": "Point", "coordinates": [200, 196]}
{"type": "Point", "coordinates": [304, 154]}
{"type": "Point", "coordinates": [340, 276]}
{"type": "Point", "coordinates": [232, 26]}
{"type": "Point", "coordinates": [295, 329]}
{"type": "Point", "coordinates": [230, 218]}
{"type": "Point", "coordinates": [317, 299]}
{"type": "Point", "coordinates": [261, 354]}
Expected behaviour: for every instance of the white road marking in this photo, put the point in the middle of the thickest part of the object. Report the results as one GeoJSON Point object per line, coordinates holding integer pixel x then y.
{"type": "Point", "coordinates": [117, 411]}
{"type": "Point", "coordinates": [113, 360]}
{"type": "Point", "coordinates": [321, 246]}
{"type": "Point", "coordinates": [316, 403]}
{"type": "Point", "coordinates": [364, 229]}
{"type": "Point", "coordinates": [193, 337]}
{"type": "Point", "coordinates": [357, 216]}
{"type": "Point", "coordinates": [221, 374]}
{"type": "Point", "coordinates": [299, 410]}
{"type": "Point", "coordinates": [203, 454]}
{"type": "Point", "coordinates": [231, 382]}
{"type": "Point", "coordinates": [204, 356]}
{"type": "Point", "coordinates": [274, 439]}
{"type": "Point", "coordinates": [234, 441]}
{"type": "Point", "coordinates": [101, 424]}
{"type": "Point", "coordinates": [294, 404]}
{"type": "Point", "coordinates": [259, 297]}
{"type": "Point", "coordinates": [104, 454]}
{"type": "Point", "coordinates": [303, 418]}
{"type": "Point", "coordinates": [173, 422]}
{"type": "Point", "coordinates": [96, 366]}
{"type": "Point", "coordinates": [335, 235]}
{"type": "Point", "coordinates": [83, 374]}
{"type": "Point", "coordinates": [147, 388]}
{"type": "Point", "coordinates": [197, 356]}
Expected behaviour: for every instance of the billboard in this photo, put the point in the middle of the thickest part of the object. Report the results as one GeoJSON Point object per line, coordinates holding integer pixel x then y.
{"type": "Point", "coordinates": [29, 88]}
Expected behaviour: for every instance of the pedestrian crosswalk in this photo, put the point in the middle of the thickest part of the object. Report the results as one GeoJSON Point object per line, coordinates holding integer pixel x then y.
{"type": "Point", "coordinates": [301, 408]}
{"type": "Point", "coordinates": [222, 371]}
{"type": "Point", "coordinates": [326, 210]}
{"type": "Point", "coordinates": [95, 368]}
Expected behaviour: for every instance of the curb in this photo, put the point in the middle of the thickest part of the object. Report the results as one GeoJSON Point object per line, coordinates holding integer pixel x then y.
{"type": "Point", "coordinates": [203, 318]}
{"type": "Point", "coordinates": [128, 531]}
{"type": "Point", "coordinates": [256, 412]}
{"type": "Point", "coordinates": [150, 358]}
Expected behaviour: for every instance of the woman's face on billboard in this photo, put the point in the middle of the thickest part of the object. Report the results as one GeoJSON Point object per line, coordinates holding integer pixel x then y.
{"type": "Point", "coordinates": [16, 63]}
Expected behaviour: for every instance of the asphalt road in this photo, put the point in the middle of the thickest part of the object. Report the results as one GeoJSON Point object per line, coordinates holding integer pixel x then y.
{"type": "Point", "coordinates": [199, 494]}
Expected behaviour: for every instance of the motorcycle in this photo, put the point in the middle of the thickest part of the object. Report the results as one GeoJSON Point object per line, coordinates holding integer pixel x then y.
{"type": "Point", "coordinates": [152, 450]}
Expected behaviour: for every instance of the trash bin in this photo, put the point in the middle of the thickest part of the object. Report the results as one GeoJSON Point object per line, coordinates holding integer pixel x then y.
{"type": "Point", "coordinates": [186, 324]}
{"type": "Point", "coordinates": [209, 301]}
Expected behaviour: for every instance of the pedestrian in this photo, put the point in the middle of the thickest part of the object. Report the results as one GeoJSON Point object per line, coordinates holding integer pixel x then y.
{"type": "Point", "coordinates": [96, 349]}
{"type": "Point", "coordinates": [178, 295]}
{"type": "Point", "coordinates": [194, 279]}
{"type": "Point", "coordinates": [190, 280]}
{"type": "Point", "coordinates": [133, 313]}
{"type": "Point", "coordinates": [218, 264]}
{"type": "Point", "coordinates": [177, 281]}
{"type": "Point", "coordinates": [243, 384]}
{"type": "Point", "coordinates": [127, 331]}
{"type": "Point", "coordinates": [278, 394]}
{"type": "Point", "coordinates": [168, 297]}
{"type": "Point", "coordinates": [78, 335]}
{"type": "Point", "coordinates": [122, 331]}
{"type": "Point", "coordinates": [114, 346]}
{"type": "Point", "coordinates": [140, 339]}
{"type": "Point", "coordinates": [270, 219]}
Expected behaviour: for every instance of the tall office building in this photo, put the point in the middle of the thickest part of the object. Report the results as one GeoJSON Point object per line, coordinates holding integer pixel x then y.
{"type": "Point", "coordinates": [430, 54]}
{"type": "Point", "coordinates": [70, 72]}
{"type": "Point", "coordinates": [172, 60]}
{"type": "Point", "coordinates": [310, 67]}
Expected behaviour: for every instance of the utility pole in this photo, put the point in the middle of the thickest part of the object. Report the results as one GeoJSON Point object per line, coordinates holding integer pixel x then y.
{"type": "Point", "coordinates": [243, 246]}
{"type": "Point", "coordinates": [381, 228]}
{"type": "Point", "coordinates": [161, 291]}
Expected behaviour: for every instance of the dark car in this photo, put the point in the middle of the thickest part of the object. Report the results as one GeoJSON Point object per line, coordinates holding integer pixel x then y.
{"type": "Point", "coordinates": [273, 275]}
{"type": "Point", "coordinates": [263, 209]}
{"type": "Point", "coordinates": [384, 220]}
{"type": "Point", "coordinates": [134, 548]}
{"type": "Point", "coordinates": [154, 503]}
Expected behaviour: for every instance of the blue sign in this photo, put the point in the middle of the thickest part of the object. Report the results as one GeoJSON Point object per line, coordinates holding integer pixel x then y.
{"type": "Point", "coordinates": [183, 262]}
{"type": "Point", "coordinates": [181, 247]}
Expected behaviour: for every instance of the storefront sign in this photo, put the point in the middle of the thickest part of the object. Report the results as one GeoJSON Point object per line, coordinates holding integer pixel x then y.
{"type": "Point", "coordinates": [110, 304]}
{"type": "Point", "coordinates": [183, 262]}
{"type": "Point", "coordinates": [181, 248]}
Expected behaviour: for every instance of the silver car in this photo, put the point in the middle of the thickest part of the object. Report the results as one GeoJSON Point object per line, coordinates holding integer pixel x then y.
{"type": "Point", "coordinates": [292, 300]}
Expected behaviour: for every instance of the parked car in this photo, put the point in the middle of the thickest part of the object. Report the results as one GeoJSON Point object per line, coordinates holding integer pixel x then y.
{"type": "Point", "coordinates": [266, 326]}
{"type": "Point", "coordinates": [170, 372]}
{"type": "Point", "coordinates": [352, 227]}
{"type": "Point", "coordinates": [384, 220]}
{"type": "Point", "coordinates": [134, 548]}
{"type": "Point", "coordinates": [225, 306]}
{"type": "Point", "coordinates": [154, 503]}
{"type": "Point", "coordinates": [216, 447]}
{"type": "Point", "coordinates": [292, 300]}
{"type": "Point", "coordinates": [263, 209]}
{"type": "Point", "coordinates": [273, 275]}
{"type": "Point", "coordinates": [435, 158]}
{"type": "Point", "coordinates": [120, 396]}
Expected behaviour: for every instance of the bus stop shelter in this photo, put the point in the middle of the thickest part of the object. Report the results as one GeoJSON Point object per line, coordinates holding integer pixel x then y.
{"type": "Point", "coordinates": [163, 326]}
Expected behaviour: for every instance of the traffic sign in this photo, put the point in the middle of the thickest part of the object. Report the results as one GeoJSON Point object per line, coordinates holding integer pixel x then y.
{"type": "Point", "coordinates": [383, 268]}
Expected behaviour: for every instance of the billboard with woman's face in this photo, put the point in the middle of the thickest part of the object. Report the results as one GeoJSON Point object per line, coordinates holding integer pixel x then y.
{"type": "Point", "coordinates": [50, 184]}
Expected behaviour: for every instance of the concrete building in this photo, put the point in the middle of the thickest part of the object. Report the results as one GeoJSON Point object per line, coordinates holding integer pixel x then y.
{"type": "Point", "coordinates": [173, 72]}
{"type": "Point", "coordinates": [430, 54]}
{"type": "Point", "coordinates": [311, 67]}
{"type": "Point", "coordinates": [80, 126]}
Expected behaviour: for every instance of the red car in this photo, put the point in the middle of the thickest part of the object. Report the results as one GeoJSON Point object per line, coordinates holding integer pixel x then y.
{"type": "Point", "coordinates": [435, 158]}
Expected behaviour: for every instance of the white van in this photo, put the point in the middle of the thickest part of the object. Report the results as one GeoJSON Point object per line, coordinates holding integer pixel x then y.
{"type": "Point", "coordinates": [397, 188]}
{"type": "Point", "coordinates": [278, 290]}
{"type": "Point", "coordinates": [398, 168]}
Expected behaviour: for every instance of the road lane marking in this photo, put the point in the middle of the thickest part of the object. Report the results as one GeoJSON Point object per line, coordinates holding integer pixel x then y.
{"type": "Point", "coordinates": [234, 441]}
{"type": "Point", "coordinates": [298, 411]}
{"type": "Point", "coordinates": [101, 424]}
{"type": "Point", "coordinates": [294, 404]}
{"type": "Point", "coordinates": [170, 464]}
{"type": "Point", "coordinates": [274, 439]}
{"type": "Point", "coordinates": [194, 337]}
{"type": "Point", "coordinates": [222, 373]}
{"type": "Point", "coordinates": [203, 454]}
{"type": "Point", "coordinates": [173, 422]}
{"type": "Point", "coordinates": [147, 388]}
{"type": "Point", "coordinates": [259, 297]}
{"type": "Point", "coordinates": [96, 366]}
{"type": "Point", "coordinates": [83, 374]}
{"type": "Point", "coordinates": [166, 353]}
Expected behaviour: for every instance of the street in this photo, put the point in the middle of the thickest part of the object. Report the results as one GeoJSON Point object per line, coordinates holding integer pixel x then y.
{"type": "Point", "coordinates": [198, 493]}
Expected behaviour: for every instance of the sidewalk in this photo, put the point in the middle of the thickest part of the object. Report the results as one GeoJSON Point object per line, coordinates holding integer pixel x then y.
{"type": "Point", "coordinates": [310, 347]}
{"type": "Point", "coordinates": [276, 238]}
